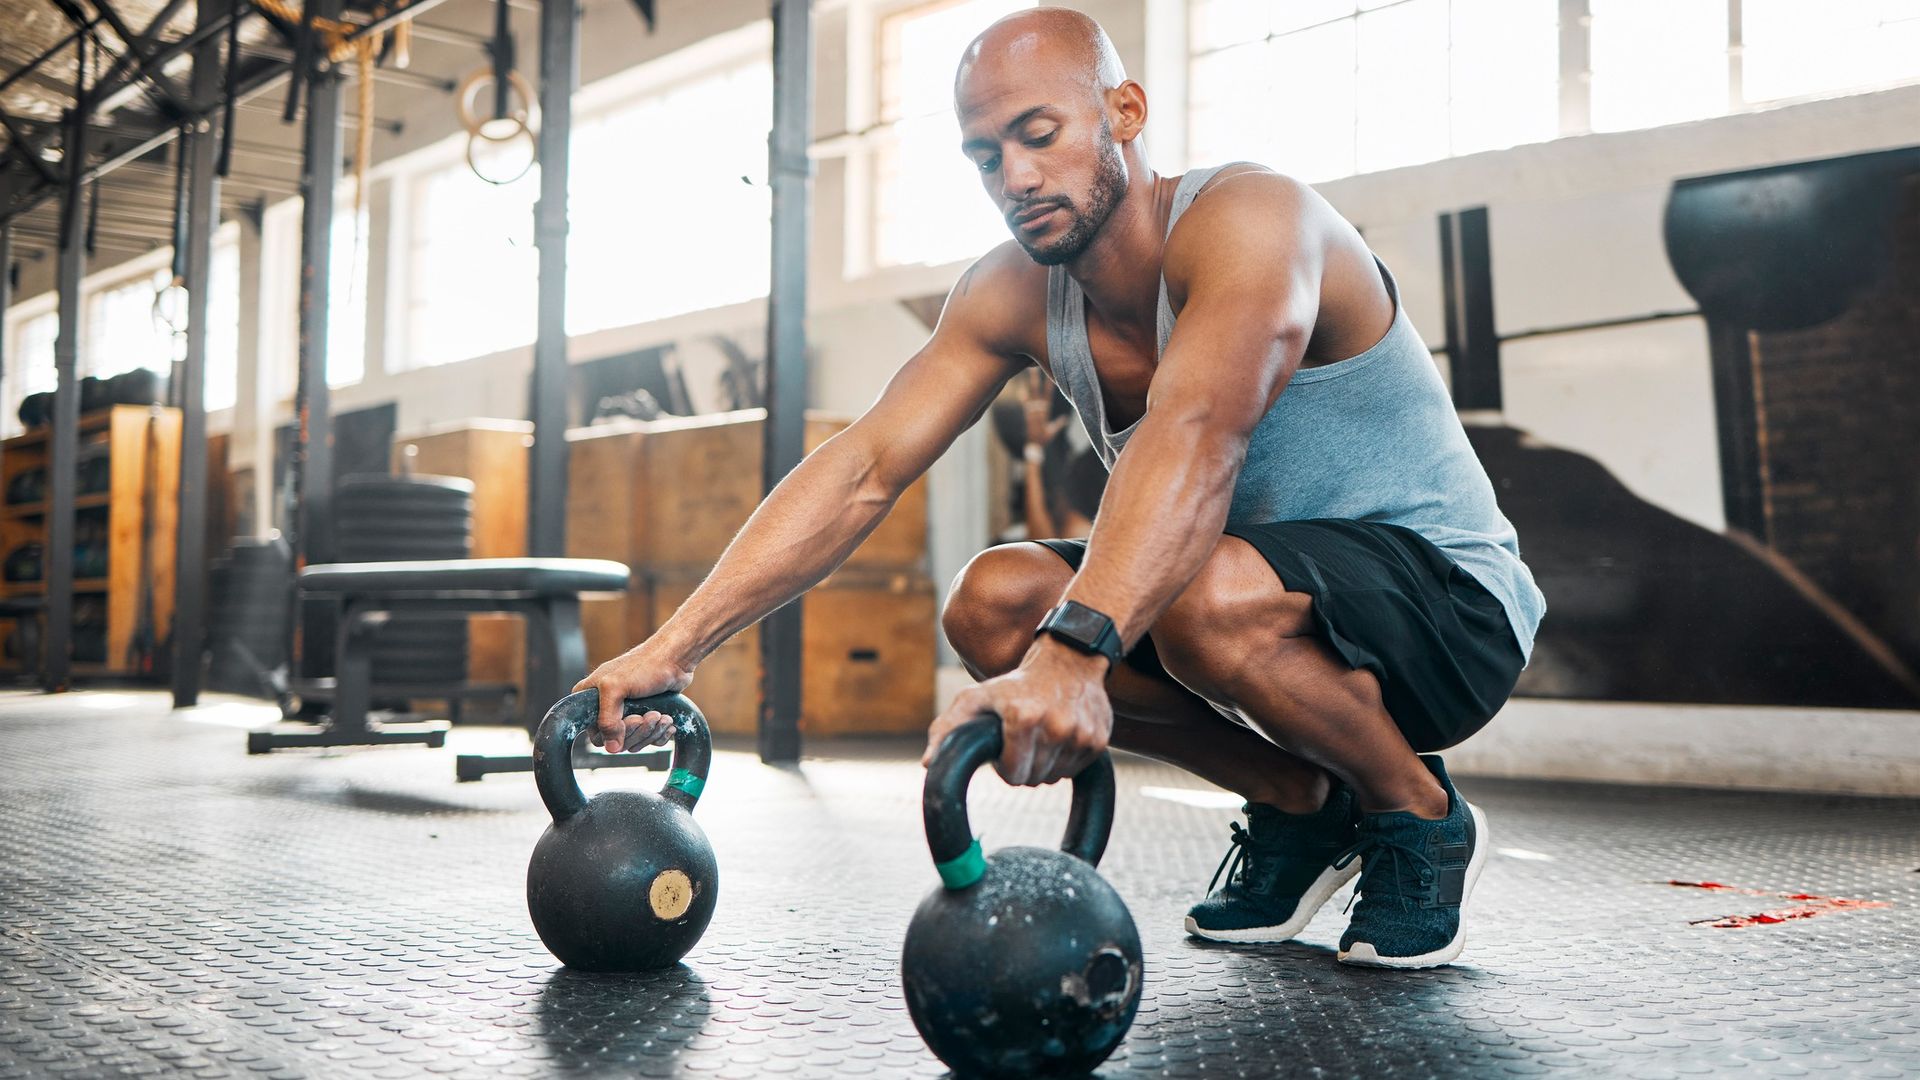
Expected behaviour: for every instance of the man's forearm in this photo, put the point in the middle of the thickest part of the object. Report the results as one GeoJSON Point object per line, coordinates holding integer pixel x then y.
{"type": "Point", "coordinates": [803, 531]}
{"type": "Point", "coordinates": [1165, 506]}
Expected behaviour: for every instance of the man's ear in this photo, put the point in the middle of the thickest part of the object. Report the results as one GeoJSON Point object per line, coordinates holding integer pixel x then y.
{"type": "Point", "coordinates": [1127, 110]}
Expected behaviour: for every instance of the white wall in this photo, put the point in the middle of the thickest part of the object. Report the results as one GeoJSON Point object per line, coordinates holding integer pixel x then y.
{"type": "Point", "coordinates": [1638, 398]}
{"type": "Point", "coordinates": [1576, 238]}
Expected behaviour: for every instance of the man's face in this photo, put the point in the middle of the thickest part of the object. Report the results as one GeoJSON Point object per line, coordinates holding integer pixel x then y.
{"type": "Point", "coordinates": [1051, 167]}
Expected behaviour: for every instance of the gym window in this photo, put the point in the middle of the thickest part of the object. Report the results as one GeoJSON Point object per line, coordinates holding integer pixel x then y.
{"type": "Point", "coordinates": [653, 240]}
{"type": "Point", "coordinates": [221, 377]}
{"type": "Point", "coordinates": [1324, 89]}
{"type": "Point", "coordinates": [122, 329]}
{"type": "Point", "coordinates": [473, 284]}
{"type": "Point", "coordinates": [929, 206]}
{"type": "Point", "coordinates": [280, 296]}
{"type": "Point", "coordinates": [30, 368]}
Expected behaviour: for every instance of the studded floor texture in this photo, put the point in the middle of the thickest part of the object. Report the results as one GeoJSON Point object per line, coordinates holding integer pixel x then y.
{"type": "Point", "coordinates": [172, 907]}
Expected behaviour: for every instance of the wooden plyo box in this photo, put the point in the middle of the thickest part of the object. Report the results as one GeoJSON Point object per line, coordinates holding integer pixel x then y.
{"type": "Point", "coordinates": [666, 496]}
{"type": "Point", "coordinates": [493, 454]}
{"type": "Point", "coordinates": [605, 520]}
{"type": "Point", "coordinates": [867, 658]}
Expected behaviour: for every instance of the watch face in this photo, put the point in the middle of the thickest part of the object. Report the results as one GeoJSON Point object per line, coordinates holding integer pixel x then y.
{"type": "Point", "coordinates": [1081, 623]}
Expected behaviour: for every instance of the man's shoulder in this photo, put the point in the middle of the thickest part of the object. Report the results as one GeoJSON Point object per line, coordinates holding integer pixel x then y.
{"type": "Point", "coordinates": [1006, 269]}
{"type": "Point", "coordinates": [1003, 296]}
{"type": "Point", "coordinates": [1241, 198]}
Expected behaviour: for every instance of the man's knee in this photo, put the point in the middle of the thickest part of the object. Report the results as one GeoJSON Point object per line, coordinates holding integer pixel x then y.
{"type": "Point", "coordinates": [1224, 627]}
{"type": "Point", "coordinates": [997, 601]}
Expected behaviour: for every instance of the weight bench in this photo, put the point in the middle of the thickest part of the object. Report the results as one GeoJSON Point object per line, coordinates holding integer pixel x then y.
{"type": "Point", "coordinates": [545, 592]}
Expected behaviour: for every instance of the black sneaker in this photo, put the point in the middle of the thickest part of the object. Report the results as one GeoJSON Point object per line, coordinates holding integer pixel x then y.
{"type": "Point", "coordinates": [1415, 878]}
{"type": "Point", "coordinates": [1280, 871]}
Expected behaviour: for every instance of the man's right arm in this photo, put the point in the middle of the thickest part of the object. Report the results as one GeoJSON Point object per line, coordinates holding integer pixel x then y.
{"type": "Point", "coordinates": [818, 515]}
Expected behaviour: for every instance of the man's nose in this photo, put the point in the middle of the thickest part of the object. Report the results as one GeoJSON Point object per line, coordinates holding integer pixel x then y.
{"type": "Point", "coordinates": [1019, 178]}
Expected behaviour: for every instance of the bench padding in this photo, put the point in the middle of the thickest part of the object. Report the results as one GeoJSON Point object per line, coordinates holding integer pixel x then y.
{"type": "Point", "coordinates": [536, 577]}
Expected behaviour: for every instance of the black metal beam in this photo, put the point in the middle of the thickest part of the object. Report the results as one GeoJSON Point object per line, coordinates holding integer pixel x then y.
{"type": "Point", "coordinates": [23, 148]}
{"type": "Point", "coordinates": [49, 240]}
{"type": "Point", "coordinates": [202, 151]}
{"type": "Point", "coordinates": [394, 18]}
{"type": "Point", "coordinates": [791, 174]}
{"type": "Point", "coordinates": [105, 87]}
{"type": "Point", "coordinates": [559, 71]}
{"type": "Point", "coordinates": [279, 185]}
{"type": "Point", "coordinates": [271, 75]}
{"type": "Point", "coordinates": [109, 84]}
{"type": "Point", "coordinates": [135, 52]}
{"type": "Point", "coordinates": [391, 127]}
{"type": "Point", "coordinates": [63, 460]}
{"type": "Point", "coordinates": [447, 35]}
{"type": "Point", "coordinates": [311, 465]}
{"type": "Point", "coordinates": [45, 55]}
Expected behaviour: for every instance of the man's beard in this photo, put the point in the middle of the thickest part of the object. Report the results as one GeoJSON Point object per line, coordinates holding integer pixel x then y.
{"type": "Point", "coordinates": [1109, 183]}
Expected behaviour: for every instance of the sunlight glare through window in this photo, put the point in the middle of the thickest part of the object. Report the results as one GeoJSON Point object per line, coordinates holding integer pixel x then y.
{"type": "Point", "coordinates": [930, 206]}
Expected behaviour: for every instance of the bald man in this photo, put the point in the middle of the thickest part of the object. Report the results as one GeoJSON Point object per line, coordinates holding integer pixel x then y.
{"type": "Point", "coordinates": [1299, 581]}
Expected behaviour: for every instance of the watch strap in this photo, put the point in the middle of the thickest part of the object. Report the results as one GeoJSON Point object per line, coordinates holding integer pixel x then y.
{"type": "Point", "coordinates": [1105, 642]}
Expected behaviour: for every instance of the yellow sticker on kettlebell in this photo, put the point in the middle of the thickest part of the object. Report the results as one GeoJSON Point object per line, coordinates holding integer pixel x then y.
{"type": "Point", "coordinates": [671, 894]}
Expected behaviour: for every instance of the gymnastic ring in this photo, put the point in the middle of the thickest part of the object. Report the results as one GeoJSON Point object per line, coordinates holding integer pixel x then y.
{"type": "Point", "coordinates": [533, 154]}
{"type": "Point", "coordinates": [474, 122]}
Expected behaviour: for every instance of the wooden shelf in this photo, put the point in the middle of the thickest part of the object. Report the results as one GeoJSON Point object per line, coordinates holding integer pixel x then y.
{"type": "Point", "coordinates": [93, 421]}
{"type": "Point", "coordinates": [39, 509]}
{"type": "Point", "coordinates": [140, 446]}
{"type": "Point", "coordinates": [39, 588]}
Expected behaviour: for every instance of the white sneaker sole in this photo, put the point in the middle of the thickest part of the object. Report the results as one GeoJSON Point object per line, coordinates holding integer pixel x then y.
{"type": "Point", "coordinates": [1311, 902]}
{"type": "Point", "coordinates": [1363, 954]}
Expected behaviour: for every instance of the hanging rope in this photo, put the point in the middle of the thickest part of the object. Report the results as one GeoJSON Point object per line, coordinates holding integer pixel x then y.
{"type": "Point", "coordinates": [340, 46]}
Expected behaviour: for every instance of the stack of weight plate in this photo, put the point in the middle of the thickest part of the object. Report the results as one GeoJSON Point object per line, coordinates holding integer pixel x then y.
{"type": "Point", "coordinates": [250, 589]}
{"type": "Point", "coordinates": [381, 518]}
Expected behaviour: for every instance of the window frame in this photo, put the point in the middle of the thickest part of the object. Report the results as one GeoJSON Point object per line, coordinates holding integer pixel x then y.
{"type": "Point", "coordinates": [1575, 104]}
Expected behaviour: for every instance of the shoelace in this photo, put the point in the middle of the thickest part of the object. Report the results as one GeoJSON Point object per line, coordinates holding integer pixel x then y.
{"type": "Point", "coordinates": [1404, 857]}
{"type": "Point", "coordinates": [1235, 858]}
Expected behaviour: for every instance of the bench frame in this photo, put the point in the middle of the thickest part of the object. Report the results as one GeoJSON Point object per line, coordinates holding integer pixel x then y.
{"type": "Point", "coordinates": [556, 660]}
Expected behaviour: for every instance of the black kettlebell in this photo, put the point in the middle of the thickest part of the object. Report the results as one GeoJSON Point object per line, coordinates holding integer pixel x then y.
{"type": "Point", "coordinates": [1025, 962]}
{"type": "Point", "coordinates": [94, 395]}
{"type": "Point", "coordinates": [36, 409]}
{"type": "Point", "coordinates": [626, 881]}
{"type": "Point", "coordinates": [23, 562]}
{"type": "Point", "coordinates": [27, 486]}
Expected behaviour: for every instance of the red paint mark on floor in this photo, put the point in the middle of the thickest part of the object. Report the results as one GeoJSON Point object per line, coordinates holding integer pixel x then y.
{"type": "Point", "coordinates": [1807, 907]}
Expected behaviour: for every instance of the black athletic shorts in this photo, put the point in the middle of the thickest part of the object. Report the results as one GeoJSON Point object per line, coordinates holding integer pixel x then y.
{"type": "Point", "coordinates": [1386, 600]}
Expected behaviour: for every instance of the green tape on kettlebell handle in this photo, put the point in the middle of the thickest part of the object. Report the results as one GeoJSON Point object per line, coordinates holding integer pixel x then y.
{"type": "Point", "coordinates": [963, 869]}
{"type": "Point", "coordinates": [686, 781]}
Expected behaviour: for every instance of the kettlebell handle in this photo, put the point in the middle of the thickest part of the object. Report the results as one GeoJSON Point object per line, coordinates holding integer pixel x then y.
{"type": "Point", "coordinates": [575, 713]}
{"type": "Point", "coordinates": [943, 803]}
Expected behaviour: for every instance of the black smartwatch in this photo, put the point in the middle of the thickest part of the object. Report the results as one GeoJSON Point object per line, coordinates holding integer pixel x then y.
{"type": "Point", "coordinates": [1083, 628]}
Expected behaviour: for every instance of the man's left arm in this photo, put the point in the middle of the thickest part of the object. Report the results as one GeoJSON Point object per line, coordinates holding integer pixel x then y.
{"type": "Point", "coordinates": [1251, 276]}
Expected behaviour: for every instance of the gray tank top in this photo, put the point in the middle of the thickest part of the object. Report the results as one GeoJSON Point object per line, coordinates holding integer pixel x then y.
{"type": "Point", "coordinates": [1374, 438]}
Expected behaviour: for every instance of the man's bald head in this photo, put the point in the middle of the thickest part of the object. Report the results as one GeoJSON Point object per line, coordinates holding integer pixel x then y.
{"type": "Point", "coordinates": [1051, 42]}
{"type": "Point", "coordinates": [1051, 121]}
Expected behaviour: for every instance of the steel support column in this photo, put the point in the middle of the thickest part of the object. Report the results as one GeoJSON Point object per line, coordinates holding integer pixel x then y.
{"type": "Point", "coordinates": [63, 461]}
{"type": "Point", "coordinates": [311, 465]}
{"type": "Point", "coordinates": [202, 150]}
{"type": "Point", "coordinates": [1466, 282]}
{"type": "Point", "coordinates": [791, 174]}
{"type": "Point", "coordinates": [559, 70]}
{"type": "Point", "coordinates": [6, 301]}
{"type": "Point", "coordinates": [6, 289]}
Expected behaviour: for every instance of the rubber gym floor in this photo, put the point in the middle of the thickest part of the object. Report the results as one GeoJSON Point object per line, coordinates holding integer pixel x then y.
{"type": "Point", "coordinates": [172, 907]}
